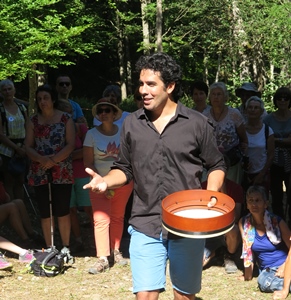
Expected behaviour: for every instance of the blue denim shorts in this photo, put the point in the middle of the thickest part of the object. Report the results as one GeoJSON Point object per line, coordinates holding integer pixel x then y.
{"type": "Point", "coordinates": [268, 282]}
{"type": "Point", "coordinates": [148, 260]}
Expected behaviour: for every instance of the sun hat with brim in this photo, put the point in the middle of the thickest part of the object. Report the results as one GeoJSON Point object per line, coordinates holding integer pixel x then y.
{"type": "Point", "coordinates": [247, 86]}
{"type": "Point", "coordinates": [105, 101]}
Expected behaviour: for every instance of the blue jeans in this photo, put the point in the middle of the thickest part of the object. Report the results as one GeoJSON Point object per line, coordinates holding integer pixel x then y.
{"type": "Point", "coordinates": [269, 282]}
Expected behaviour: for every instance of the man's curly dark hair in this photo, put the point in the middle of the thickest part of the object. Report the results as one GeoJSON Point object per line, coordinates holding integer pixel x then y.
{"type": "Point", "coordinates": [168, 68]}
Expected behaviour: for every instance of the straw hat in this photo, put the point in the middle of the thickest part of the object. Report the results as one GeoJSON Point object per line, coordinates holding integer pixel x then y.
{"type": "Point", "coordinates": [105, 101]}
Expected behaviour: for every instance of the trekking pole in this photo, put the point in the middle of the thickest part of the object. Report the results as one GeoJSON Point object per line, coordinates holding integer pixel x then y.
{"type": "Point", "coordinates": [50, 179]}
{"type": "Point", "coordinates": [29, 198]}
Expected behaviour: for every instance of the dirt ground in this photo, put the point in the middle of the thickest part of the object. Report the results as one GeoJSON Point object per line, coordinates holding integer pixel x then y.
{"type": "Point", "coordinates": [115, 284]}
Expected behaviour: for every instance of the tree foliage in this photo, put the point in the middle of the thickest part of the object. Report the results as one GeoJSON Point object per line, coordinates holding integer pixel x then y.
{"type": "Point", "coordinates": [42, 32]}
{"type": "Point", "coordinates": [227, 40]}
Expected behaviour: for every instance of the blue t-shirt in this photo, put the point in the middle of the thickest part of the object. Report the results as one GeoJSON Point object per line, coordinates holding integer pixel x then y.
{"type": "Point", "coordinates": [268, 255]}
{"type": "Point", "coordinates": [77, 110]}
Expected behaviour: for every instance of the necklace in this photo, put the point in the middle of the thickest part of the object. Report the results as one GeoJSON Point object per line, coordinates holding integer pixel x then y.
{"type": "Point", "coordinates": [220, 114]}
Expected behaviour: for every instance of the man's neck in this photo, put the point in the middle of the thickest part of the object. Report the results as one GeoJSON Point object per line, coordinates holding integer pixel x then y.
{"type": "Point", "coordinates": [64, 97]}
{"type": "Point", "coordinates": [161, 118]}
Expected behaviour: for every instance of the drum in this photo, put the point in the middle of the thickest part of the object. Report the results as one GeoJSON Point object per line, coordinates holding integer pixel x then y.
{"type": "Point", "coordinates": [186, 214]}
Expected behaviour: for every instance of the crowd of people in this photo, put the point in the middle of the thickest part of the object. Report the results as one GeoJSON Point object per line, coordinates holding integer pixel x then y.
{"type": "Point", "coordinates": [243, 152]}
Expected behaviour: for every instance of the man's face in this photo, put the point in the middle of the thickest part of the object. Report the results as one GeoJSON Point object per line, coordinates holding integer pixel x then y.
{"type": "Point", "coordinates": [245, 95]}
{"type": "Point", "coordinates": [64, 86]}
{"type": "Point", "coordinates": [153, 91]}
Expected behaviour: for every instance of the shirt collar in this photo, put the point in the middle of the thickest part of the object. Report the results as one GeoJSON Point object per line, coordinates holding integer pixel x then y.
{"type": "Point", "coordinates": [181, 110]}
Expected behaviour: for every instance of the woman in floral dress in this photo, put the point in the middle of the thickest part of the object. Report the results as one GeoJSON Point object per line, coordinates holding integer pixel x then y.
{"type": "Point", "coordinates": [50, 139]}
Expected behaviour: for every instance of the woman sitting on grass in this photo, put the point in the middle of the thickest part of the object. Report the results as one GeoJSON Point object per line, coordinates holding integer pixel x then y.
{"type": "Point", "coordinates": [266, 240]}
{"type": "Point", "coordinates": [25, 256]}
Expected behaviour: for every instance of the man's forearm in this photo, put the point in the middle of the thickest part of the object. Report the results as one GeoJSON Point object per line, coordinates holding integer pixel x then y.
{"type": "Point", "coordinates": [115, 179]}
{"type": "Point", "coordinates": [215, 180]}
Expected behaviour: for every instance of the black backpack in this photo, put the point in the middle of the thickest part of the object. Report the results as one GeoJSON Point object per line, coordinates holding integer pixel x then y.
{"type": "Point", "coordinates": [48, 264]}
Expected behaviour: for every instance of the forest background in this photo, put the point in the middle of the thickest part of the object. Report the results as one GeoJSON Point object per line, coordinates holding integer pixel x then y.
{"type": "Point", "coordinates": [98, 42]}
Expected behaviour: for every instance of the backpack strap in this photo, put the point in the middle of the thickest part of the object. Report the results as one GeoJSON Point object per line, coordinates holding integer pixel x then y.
{"type": "Point", "coordinates": [3, 117]}
{"type": "Point", "coordinates": [21, 108]}
{"type": "Point", "coordinates": [266, 135]}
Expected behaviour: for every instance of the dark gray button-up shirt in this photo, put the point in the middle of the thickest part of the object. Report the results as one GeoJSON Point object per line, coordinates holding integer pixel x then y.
{"type": "Point", "coordinates": [161, 164]}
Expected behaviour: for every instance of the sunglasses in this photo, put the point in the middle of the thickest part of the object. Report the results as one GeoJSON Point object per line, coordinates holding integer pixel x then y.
{"type": "Point", "coordinates": [283, 99]}
{"type": "Point", "coordinates": [101, 110]}
{"type": "Point", "coordinates": [64, 83]}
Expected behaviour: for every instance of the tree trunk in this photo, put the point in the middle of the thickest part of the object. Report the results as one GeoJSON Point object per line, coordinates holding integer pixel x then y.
{"type": "Point", "coordinates": [120, 53]}
{"type": "Point", "coordinates": [145, 27]}
{"type": "Point", "coordinates": [32, 83]}
{"type": "Point", "coordinates": [159, 27]}
{"type": "Point", "coordinates": [35, 80]}
{"type": "Point", "coordinates": [128, 68]}
{"type": "Point", "coordinates": [239, 41]}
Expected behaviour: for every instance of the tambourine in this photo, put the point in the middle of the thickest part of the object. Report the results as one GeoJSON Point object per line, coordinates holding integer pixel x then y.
{"type": "Point", "coordinates": [186, 214]}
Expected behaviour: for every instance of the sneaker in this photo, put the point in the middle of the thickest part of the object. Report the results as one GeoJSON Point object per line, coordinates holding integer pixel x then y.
{"type": "Point", "coordinates": [68, 258]}
{"type": "Point", "coordinates": [27, 257]}
{"type": "Point", "coordinates": [4, 264]}
{"type": "Point", "coordinates": [229, 265]}
{"type": "Point", "coordinates": [100, 266]}
{"type": "Point", "coordinates": [119, 259]}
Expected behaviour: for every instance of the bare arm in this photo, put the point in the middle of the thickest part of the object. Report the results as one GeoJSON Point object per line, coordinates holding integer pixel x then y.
{"type": "Point", "coordinates": [29, 144]}
{"type": "Point", "coordinates": [70, 143]}
{"type": "Point", "coordinates": [248, 271]}
{"type": "Point", "coordinates": [48, 161]}
{"type": "Point", "coordinates": [214, 183]}
{"type": "Point", "coordinates": [285, 233]}
{"type": "Point", "coordinates": [241, 132]}
{"type": "Point", "coordinates": [215, 180]}
{"type": "Point", "coordinates": [283, 142]}
{"type": "Point", "coordinates": [283, 294]}
{"type": "Point", "coordinates": [270, 156]}
{"type": "Point", "coordinates": [88, 158]}
{"type": "Point", "coordinates": [114, 179]}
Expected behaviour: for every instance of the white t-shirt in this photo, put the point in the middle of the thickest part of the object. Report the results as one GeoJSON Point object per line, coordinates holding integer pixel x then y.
{"type": "Point", "coordinates": [106, 149]}
{"type": "Point", "coordinates": [257, 151]}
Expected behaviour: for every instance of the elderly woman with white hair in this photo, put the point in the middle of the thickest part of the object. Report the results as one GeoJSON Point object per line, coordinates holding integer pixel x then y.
{"type": "Point", "coordinates": [12, 133]}
{"type": "Point", "coordinates": [261, 145]}
{"type": "Point", "coordinates": [229, 128]}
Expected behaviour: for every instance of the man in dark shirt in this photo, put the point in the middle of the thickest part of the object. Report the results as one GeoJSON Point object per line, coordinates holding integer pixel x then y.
{"type": "Point", "coordinates": [163, 149]}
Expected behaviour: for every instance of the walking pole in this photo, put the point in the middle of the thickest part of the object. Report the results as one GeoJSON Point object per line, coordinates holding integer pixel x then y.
{"type": "Point", "coordinates": [29, 198]}
{"type": "Point", "coordinates": [49, 178]}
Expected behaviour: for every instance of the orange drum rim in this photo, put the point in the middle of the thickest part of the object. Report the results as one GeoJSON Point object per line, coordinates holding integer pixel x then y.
{"type": "Point", "coordinates": [198, 227]}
